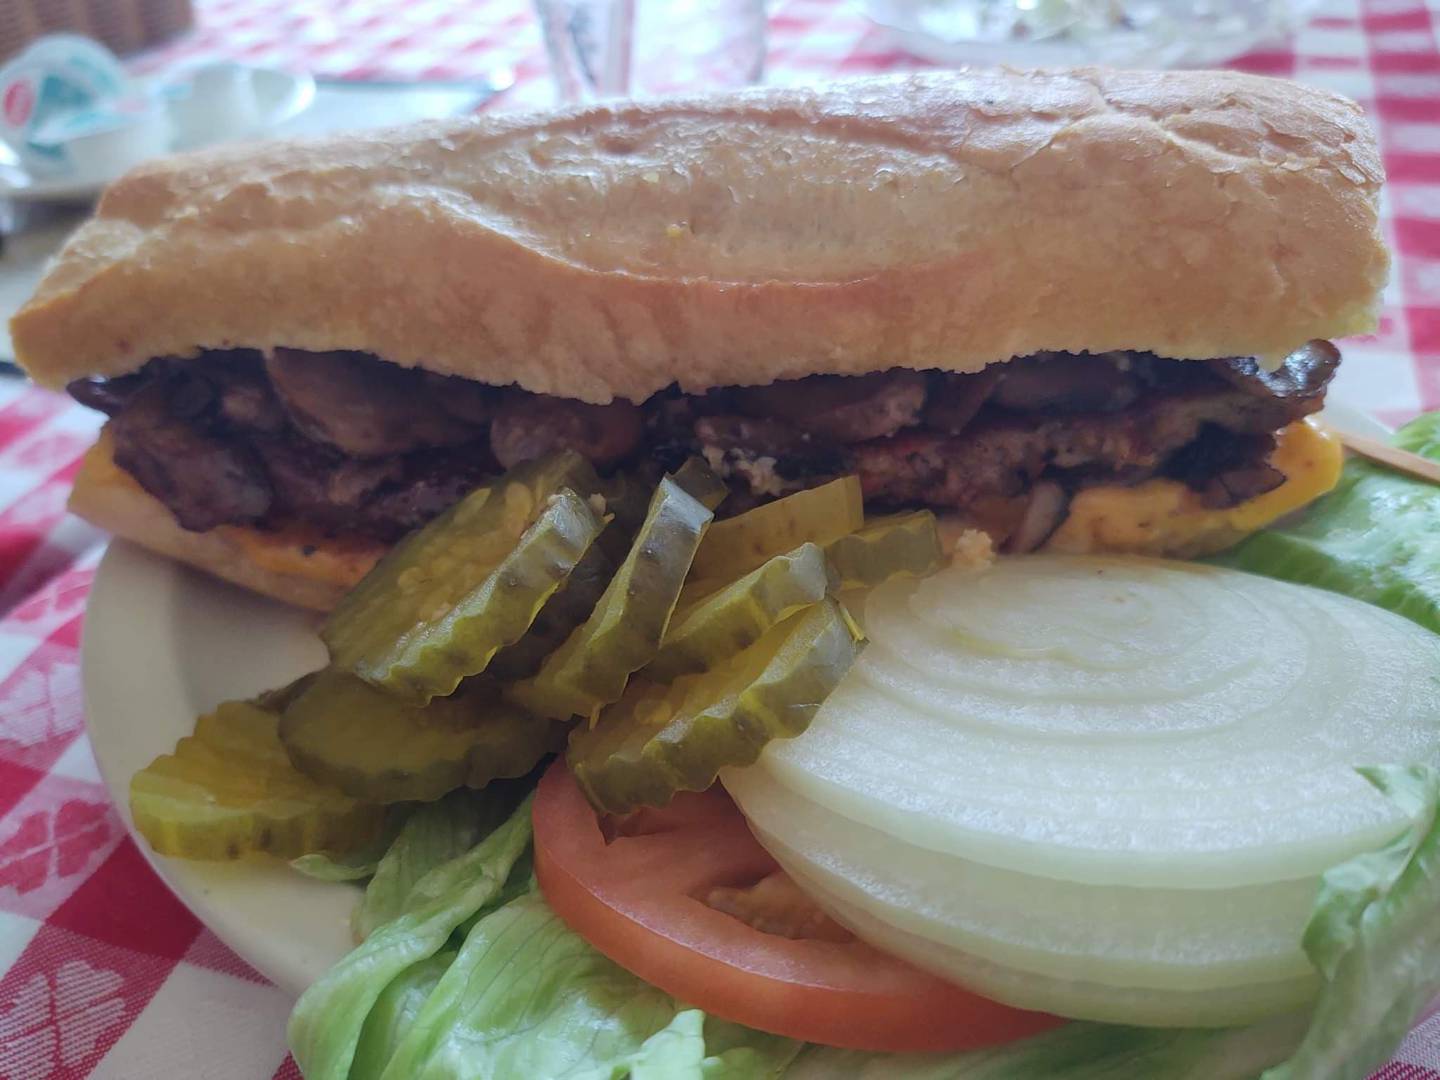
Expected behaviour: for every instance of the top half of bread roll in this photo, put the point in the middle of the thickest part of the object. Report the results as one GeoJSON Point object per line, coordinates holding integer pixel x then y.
{"type": "Point", "coordinates": [946, 220]}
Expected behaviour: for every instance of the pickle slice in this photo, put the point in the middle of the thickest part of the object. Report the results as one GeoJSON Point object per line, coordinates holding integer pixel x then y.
{"type": "Point", "coordinates": [734, 618]}
{"type": "Point", "coordinates": [627, 499]}
{"type": "Point", "coordinates": [344, 732]}
{"type": "Point", "coordinates": [577, 597]}
{"type": "Point", "coordinates": [887, 549]}
{"type": "Point", "coordinates": [628, 494]}
{"type": "Point", "coordinates": [570, 606]}
{"type": "Point", "coordinates": [278, 700]}
{"type": "Point", "coordinates": [696, 477]}
{"type": "Point", "coordinates": [436, 609]}
{"type": "Point", "coordinates": [817, 515]}
{"type": "Point", "coordinates": [660, 740]}
{"type": "Point", "coordinates": [624, 631]}
{"type": "Point", "coordinates": [229, 790]}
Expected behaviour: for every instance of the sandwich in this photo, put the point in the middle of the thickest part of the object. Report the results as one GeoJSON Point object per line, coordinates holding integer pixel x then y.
{"type": "Point", "coordinates": [1078, 311]}
{"type": "Point", "coordinates": [621, 446]}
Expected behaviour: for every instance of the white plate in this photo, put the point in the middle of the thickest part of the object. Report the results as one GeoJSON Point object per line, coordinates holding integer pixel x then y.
{"type": "Point", "coordinates": [279, 96]}
{"type": "Point", "coordinates": [163, 644]}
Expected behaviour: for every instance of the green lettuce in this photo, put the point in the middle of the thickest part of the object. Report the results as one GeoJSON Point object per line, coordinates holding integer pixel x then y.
{"type": "Point", "coordinates": [1078, 1051]}
{"type": "Point", "coordinates": [526, 997]}
{"type": "Point", "coordinates": [395, 1011]}
{"type": "Point", "coordinates": [1375, 936]}
{"type": "Point", "coordinates": [1376, 537]}
{"type": "Point", "coordinates": [326, 1025]}
{"type": "Point", "coordinates": [433, 834]}
{"type": "Point", "coordinates": [362, 863]}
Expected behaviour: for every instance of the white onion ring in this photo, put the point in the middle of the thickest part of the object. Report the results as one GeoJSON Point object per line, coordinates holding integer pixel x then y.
{"type": "Point", "coordinates": [1123, 721]}
{"type": "Point", "coordinates": [1101, 787]}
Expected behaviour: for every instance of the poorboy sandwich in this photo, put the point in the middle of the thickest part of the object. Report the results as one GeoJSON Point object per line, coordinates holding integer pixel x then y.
{"type": "Point", "coordinates": [1082, 311]}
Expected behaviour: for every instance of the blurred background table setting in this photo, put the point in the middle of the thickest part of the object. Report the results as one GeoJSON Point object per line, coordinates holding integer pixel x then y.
{"type": "Point", "coordinates": [102, 972]}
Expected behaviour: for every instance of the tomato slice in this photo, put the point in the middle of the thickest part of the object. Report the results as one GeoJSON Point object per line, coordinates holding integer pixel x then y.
{"type": "Point", "coordinates": [636, 899]}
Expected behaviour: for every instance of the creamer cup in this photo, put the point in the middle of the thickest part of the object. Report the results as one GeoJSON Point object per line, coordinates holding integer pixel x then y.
{"type": "Point", "coordinates": [57, 75]}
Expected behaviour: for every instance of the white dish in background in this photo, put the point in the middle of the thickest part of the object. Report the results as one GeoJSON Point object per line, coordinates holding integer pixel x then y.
{"type": "Point", "coordinates": [326, 107]}
{"type": "Point", "coordinates": [163, 644]}
{"type": "Point", "coordinates": [278, 96]}
{"type": "Point", "coordinates": [1126, 34]}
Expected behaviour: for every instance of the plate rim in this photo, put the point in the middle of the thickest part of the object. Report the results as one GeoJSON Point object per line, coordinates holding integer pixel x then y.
{"type": "Point", "coordinates": [204, 888]}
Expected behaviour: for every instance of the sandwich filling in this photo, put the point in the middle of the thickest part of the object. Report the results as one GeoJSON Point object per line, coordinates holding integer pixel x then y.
{"type": "Point", "coordinates": [351, 445]}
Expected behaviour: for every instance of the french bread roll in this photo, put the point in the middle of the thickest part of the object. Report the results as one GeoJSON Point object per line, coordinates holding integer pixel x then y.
{"type": "Point", "coordinates": [947, 220]}
{"type": "Point", "coordinates": [297, 565]}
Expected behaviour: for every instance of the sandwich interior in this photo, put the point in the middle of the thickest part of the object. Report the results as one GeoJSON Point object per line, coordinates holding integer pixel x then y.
{"type": "Point", "coordinates": [305, 466]}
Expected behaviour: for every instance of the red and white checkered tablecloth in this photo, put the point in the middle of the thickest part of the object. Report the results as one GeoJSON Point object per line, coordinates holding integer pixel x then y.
{"type": "Point", "coordinates": [102, 972]}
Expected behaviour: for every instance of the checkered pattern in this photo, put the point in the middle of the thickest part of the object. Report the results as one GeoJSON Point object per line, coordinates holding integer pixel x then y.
{"type": "Point", "coordinates": [102, 972]}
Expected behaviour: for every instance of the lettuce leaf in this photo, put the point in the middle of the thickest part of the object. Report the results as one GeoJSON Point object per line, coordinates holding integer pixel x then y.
{"type": "Point", "coordinates": [527, 997]}
{"type": "Point", "coordinates": [1078, 1051]}
{"type": "Point", "coordinates": [394, 1012]}
{"type": "Point", "coordinates": [434, 834]}
{"type": "Point", "coordinates": [1375, 936]}
{"type": "Point", "coordinates": [1376, 537]}
{"type": "Point", "coordinates": [356, 865]}
{"type": "Point", "coordinates": [326, 1025]}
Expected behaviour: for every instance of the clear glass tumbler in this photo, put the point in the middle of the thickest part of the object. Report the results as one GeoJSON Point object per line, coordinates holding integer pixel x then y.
{"type": "Point", "coordinates": [648, 48]}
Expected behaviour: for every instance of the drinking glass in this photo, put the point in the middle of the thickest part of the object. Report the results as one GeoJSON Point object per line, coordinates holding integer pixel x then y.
{"type": "Point", "coordinates": [647, 48]}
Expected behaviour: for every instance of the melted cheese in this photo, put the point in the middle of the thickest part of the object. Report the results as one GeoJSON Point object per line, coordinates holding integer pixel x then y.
{"type": "Point", "coordinates": [1164, 517]}
{"type": "Point", "coordinates": [307, 553]}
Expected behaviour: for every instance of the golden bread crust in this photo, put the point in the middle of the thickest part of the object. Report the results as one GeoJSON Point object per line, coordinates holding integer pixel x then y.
{"type": "Point", "coordinates": [944, 220]}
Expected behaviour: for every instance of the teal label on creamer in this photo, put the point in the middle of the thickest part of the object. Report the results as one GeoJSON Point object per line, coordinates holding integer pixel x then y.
{"type": "Point", "coordinates": [57, 75]}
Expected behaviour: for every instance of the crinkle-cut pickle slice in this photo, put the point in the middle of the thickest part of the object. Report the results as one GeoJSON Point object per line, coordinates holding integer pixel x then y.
{"type": "Point", "coordinates": [566, 609]}
{"type": "Point", "coordinates": [696, 477]}
{"type": "Point", "coordinates": [723, 624]}
{"type": "Point", "coordinates": [624, 631]}
{"type": "Point", "coordinates": [437, 608]}
{"type": "Point", "coordinates": [576, 598]}
{"type": "Point", "coordinates": [818, 515]}
{"type": "Point", "coordinates": [627, 499]}
{"type": "Point", "coordinates": [229, 790]}
{"type": "Point", "coordinates": [658, 740]}
{"type": "Point", "coordinates": [887, 549]}
{"type": "Point", "coordinates": [342, 731]}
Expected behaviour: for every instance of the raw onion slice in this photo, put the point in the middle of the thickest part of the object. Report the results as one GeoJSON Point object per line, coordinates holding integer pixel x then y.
{"type": "Point", "coordinates": [1122, 722]}
{"type": "Point", "coordinates": [1164, 939]}
{"type": "Point", "coordinates": [1140, 1006]}
{"type": "Point", "coordinates": [1105, 788]}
